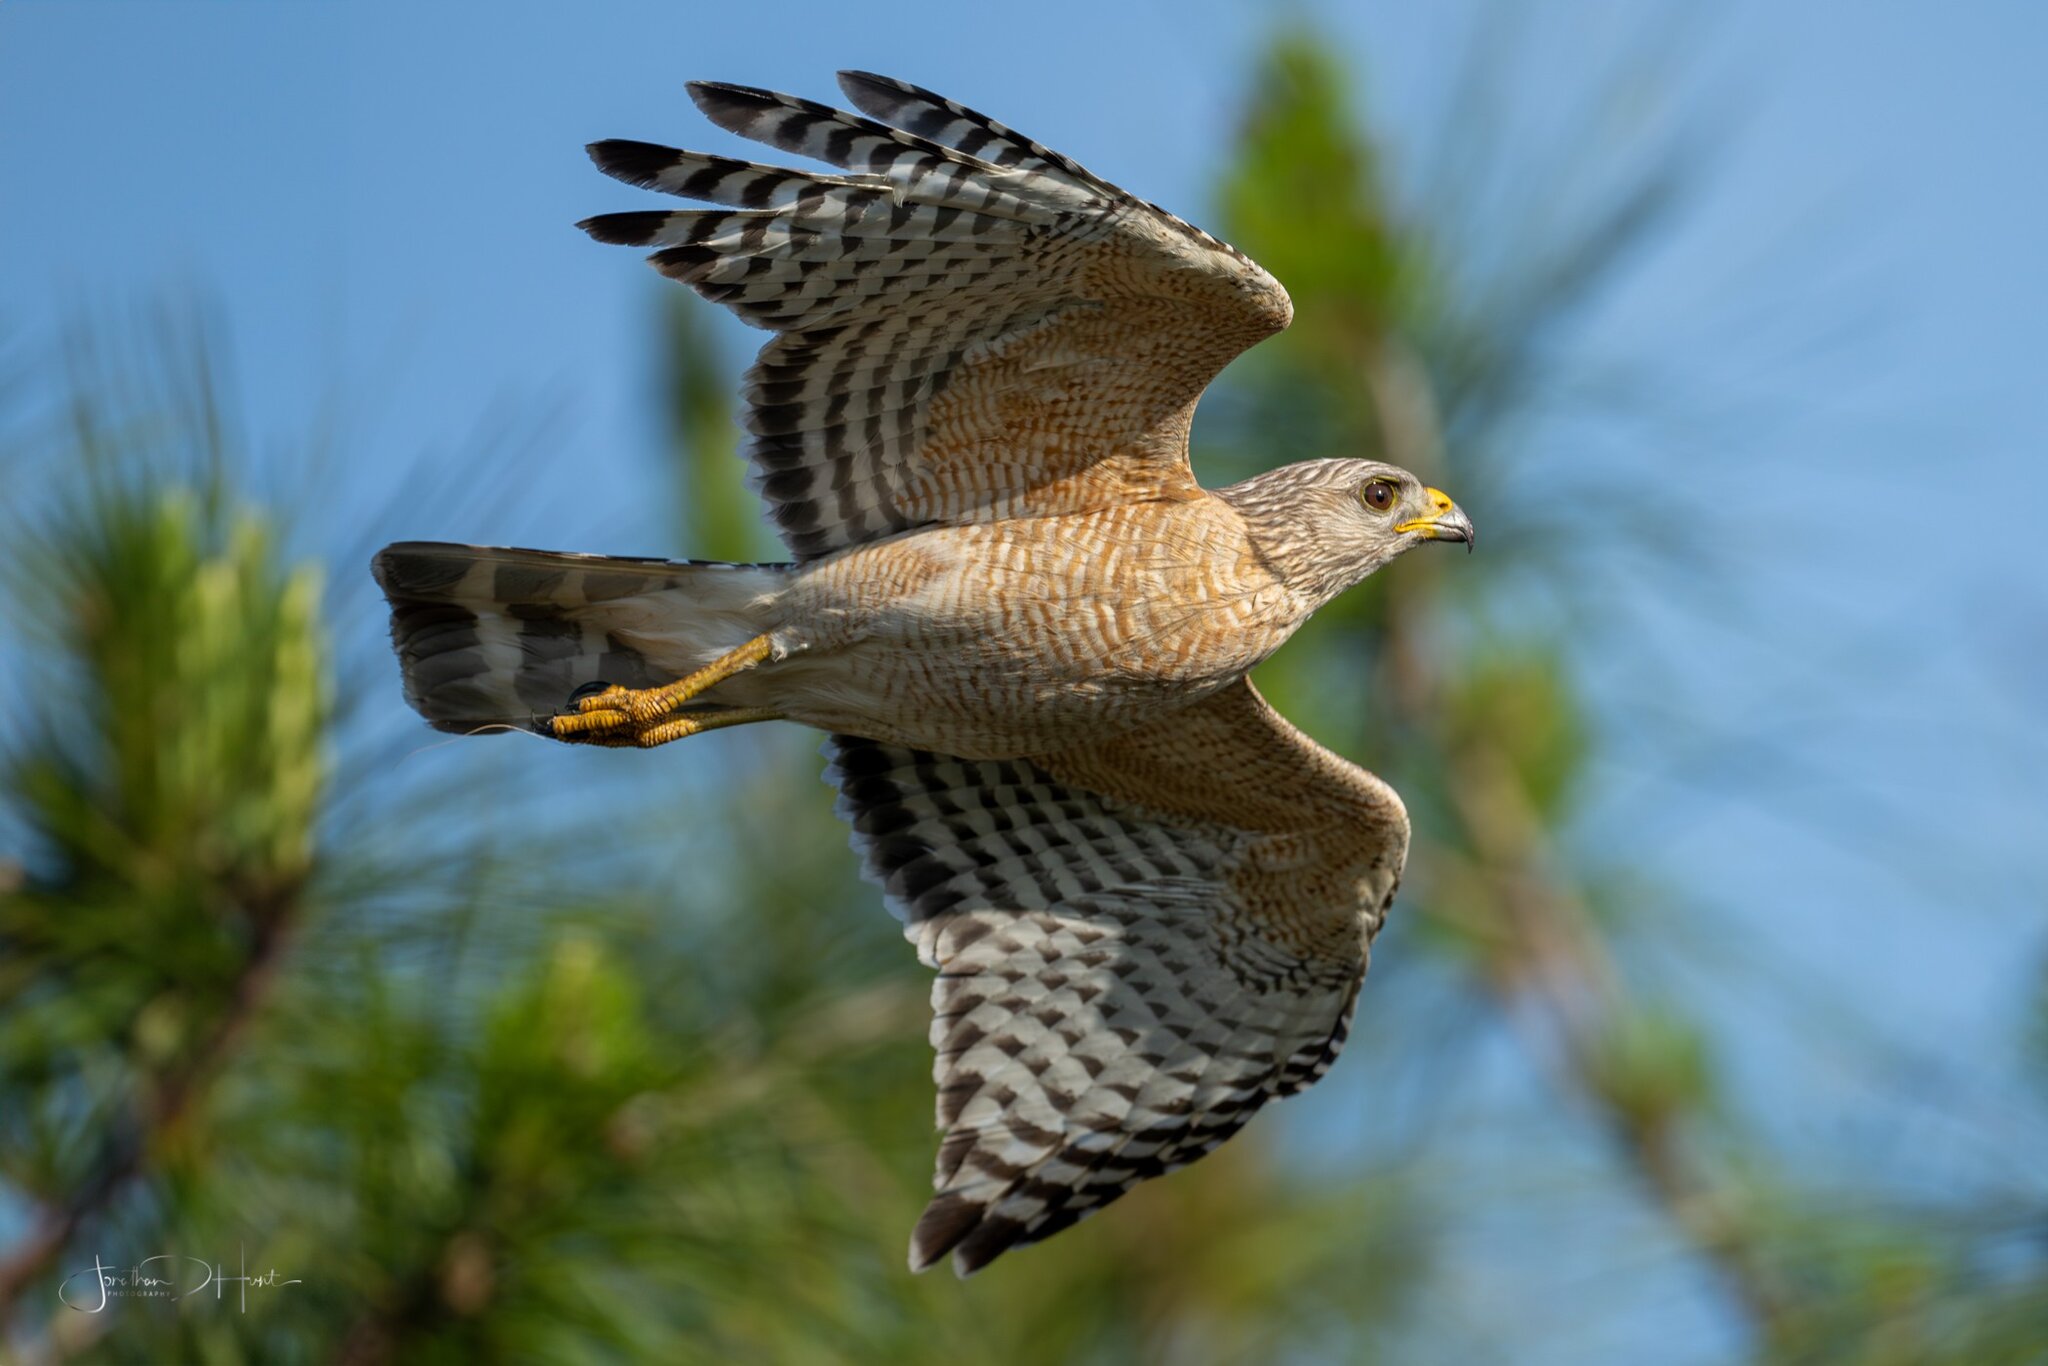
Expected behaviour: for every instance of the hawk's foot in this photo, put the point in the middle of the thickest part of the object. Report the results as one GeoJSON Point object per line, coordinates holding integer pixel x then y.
{"type": "Point", "coordinates": [620, 715]}
{"type": "Point", "coordinates": [648, 734]}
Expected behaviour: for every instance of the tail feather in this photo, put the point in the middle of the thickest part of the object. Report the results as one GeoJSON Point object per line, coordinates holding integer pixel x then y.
{"type": "Point", "coordinates": [491, 636]}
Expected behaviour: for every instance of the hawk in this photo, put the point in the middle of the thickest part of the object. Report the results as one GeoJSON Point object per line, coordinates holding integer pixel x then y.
{"type": "Point", "coordinates": [1149, 900]}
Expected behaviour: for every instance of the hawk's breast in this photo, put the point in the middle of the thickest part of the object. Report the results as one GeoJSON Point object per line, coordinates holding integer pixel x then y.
{"type": "Point", "coordinates": [1027, 635]}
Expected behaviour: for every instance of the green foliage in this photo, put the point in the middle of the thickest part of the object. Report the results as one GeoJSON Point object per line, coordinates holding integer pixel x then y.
{"type": "Point", "coordinates": [1651, 1069]}
{"type": "Point", "coordinates": [168, 786]}
{"type": "Point", "coordinates": [1303, 198]}
{"type": "Point", "coordinates": [1884, 1284]}
{"type": "Point", "coordinates": [1520, 700]}
{"type": "Point", "coordinates": [189, 751]}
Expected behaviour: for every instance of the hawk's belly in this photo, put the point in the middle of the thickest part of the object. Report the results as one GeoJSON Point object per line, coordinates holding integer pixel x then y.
{"type": "Point", "coordinates": [1016, 638]}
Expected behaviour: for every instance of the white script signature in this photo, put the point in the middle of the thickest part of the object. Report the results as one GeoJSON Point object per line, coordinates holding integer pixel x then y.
{"type": "Point", "coordinates": [163, 1277]}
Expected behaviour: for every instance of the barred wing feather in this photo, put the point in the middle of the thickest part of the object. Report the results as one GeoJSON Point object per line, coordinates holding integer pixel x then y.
{"type": "Point", "coordinates": [968, 325]}
{"type": "Point", "coordinates": [1137, 948]}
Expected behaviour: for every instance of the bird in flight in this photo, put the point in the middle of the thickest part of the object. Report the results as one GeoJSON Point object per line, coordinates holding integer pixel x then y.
{"type": "Point", "coordinates": [1025, 627]}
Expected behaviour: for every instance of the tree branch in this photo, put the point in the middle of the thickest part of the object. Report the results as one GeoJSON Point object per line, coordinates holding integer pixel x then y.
{"type": "Point", "coordinates": [1555, 956]}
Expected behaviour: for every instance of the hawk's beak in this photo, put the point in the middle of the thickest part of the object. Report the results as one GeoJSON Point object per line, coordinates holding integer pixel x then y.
{"type": "Point", "coordinates": [1445, 521]}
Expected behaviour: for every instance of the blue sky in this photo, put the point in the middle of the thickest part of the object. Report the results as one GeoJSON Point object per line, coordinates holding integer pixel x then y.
{"type": "Point", "coordinates": [1838, 764]}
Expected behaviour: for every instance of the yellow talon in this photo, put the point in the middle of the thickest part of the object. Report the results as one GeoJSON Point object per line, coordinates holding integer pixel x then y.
{"type": "Point", "coordinates": [587, 722]}
{"type": "Point", "coordinates": [608, 700]}
{"type": "Point", "coordinates": [633, 716]}
{"type": "Point", "coordinates": [624, 734]}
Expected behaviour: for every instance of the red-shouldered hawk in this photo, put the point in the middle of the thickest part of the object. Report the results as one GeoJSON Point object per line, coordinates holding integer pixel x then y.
{"type": "Point", "coordinates": [1149, 899]}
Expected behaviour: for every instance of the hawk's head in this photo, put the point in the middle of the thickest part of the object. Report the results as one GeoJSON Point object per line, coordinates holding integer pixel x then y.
{"type": "Point", "coordinates": [1326, 524]}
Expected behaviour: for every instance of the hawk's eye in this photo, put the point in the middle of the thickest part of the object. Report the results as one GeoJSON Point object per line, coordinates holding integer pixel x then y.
{"type": "Point", "coordinates": [1379, 494]}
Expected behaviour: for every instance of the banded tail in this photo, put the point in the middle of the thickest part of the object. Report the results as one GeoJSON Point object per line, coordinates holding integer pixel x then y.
{"type": "Point", "coordinates": [494, 636]}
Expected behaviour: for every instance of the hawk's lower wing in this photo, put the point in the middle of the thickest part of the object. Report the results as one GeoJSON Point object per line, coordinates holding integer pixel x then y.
{"type": "Point", "coordinates": [1138, 945]}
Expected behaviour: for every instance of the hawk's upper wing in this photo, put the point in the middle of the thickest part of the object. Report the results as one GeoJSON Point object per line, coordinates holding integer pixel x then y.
{"type": "Point", "coordinates": [1138, 946]}
{"type": "Point", "coordinates": [971, 326]}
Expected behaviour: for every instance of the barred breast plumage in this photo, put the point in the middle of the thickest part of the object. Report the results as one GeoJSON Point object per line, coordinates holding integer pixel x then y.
{"type": "Point", "coordinates": [1024, 636]}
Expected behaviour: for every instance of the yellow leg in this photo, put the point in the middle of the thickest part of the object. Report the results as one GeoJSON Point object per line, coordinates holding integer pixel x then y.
{"type": "Point", "coordinates": [654, 733]}
{"type": "Point", "coordinates": [626, 712]}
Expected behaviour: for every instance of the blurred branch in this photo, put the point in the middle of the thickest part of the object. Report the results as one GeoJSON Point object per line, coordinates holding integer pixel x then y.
{"type": "Point", "coordinates": [1554, 954]}
{"type": "Point", "coordinates": [1454, 353]}
{"type": "Point", "coordinates": [1404, 406]}
{"type": "Point", "coordinates": [1542, 945]}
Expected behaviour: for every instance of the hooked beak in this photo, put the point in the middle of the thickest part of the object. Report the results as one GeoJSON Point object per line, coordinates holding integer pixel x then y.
{"type": "Point", "coordinates": [1445, 521]}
